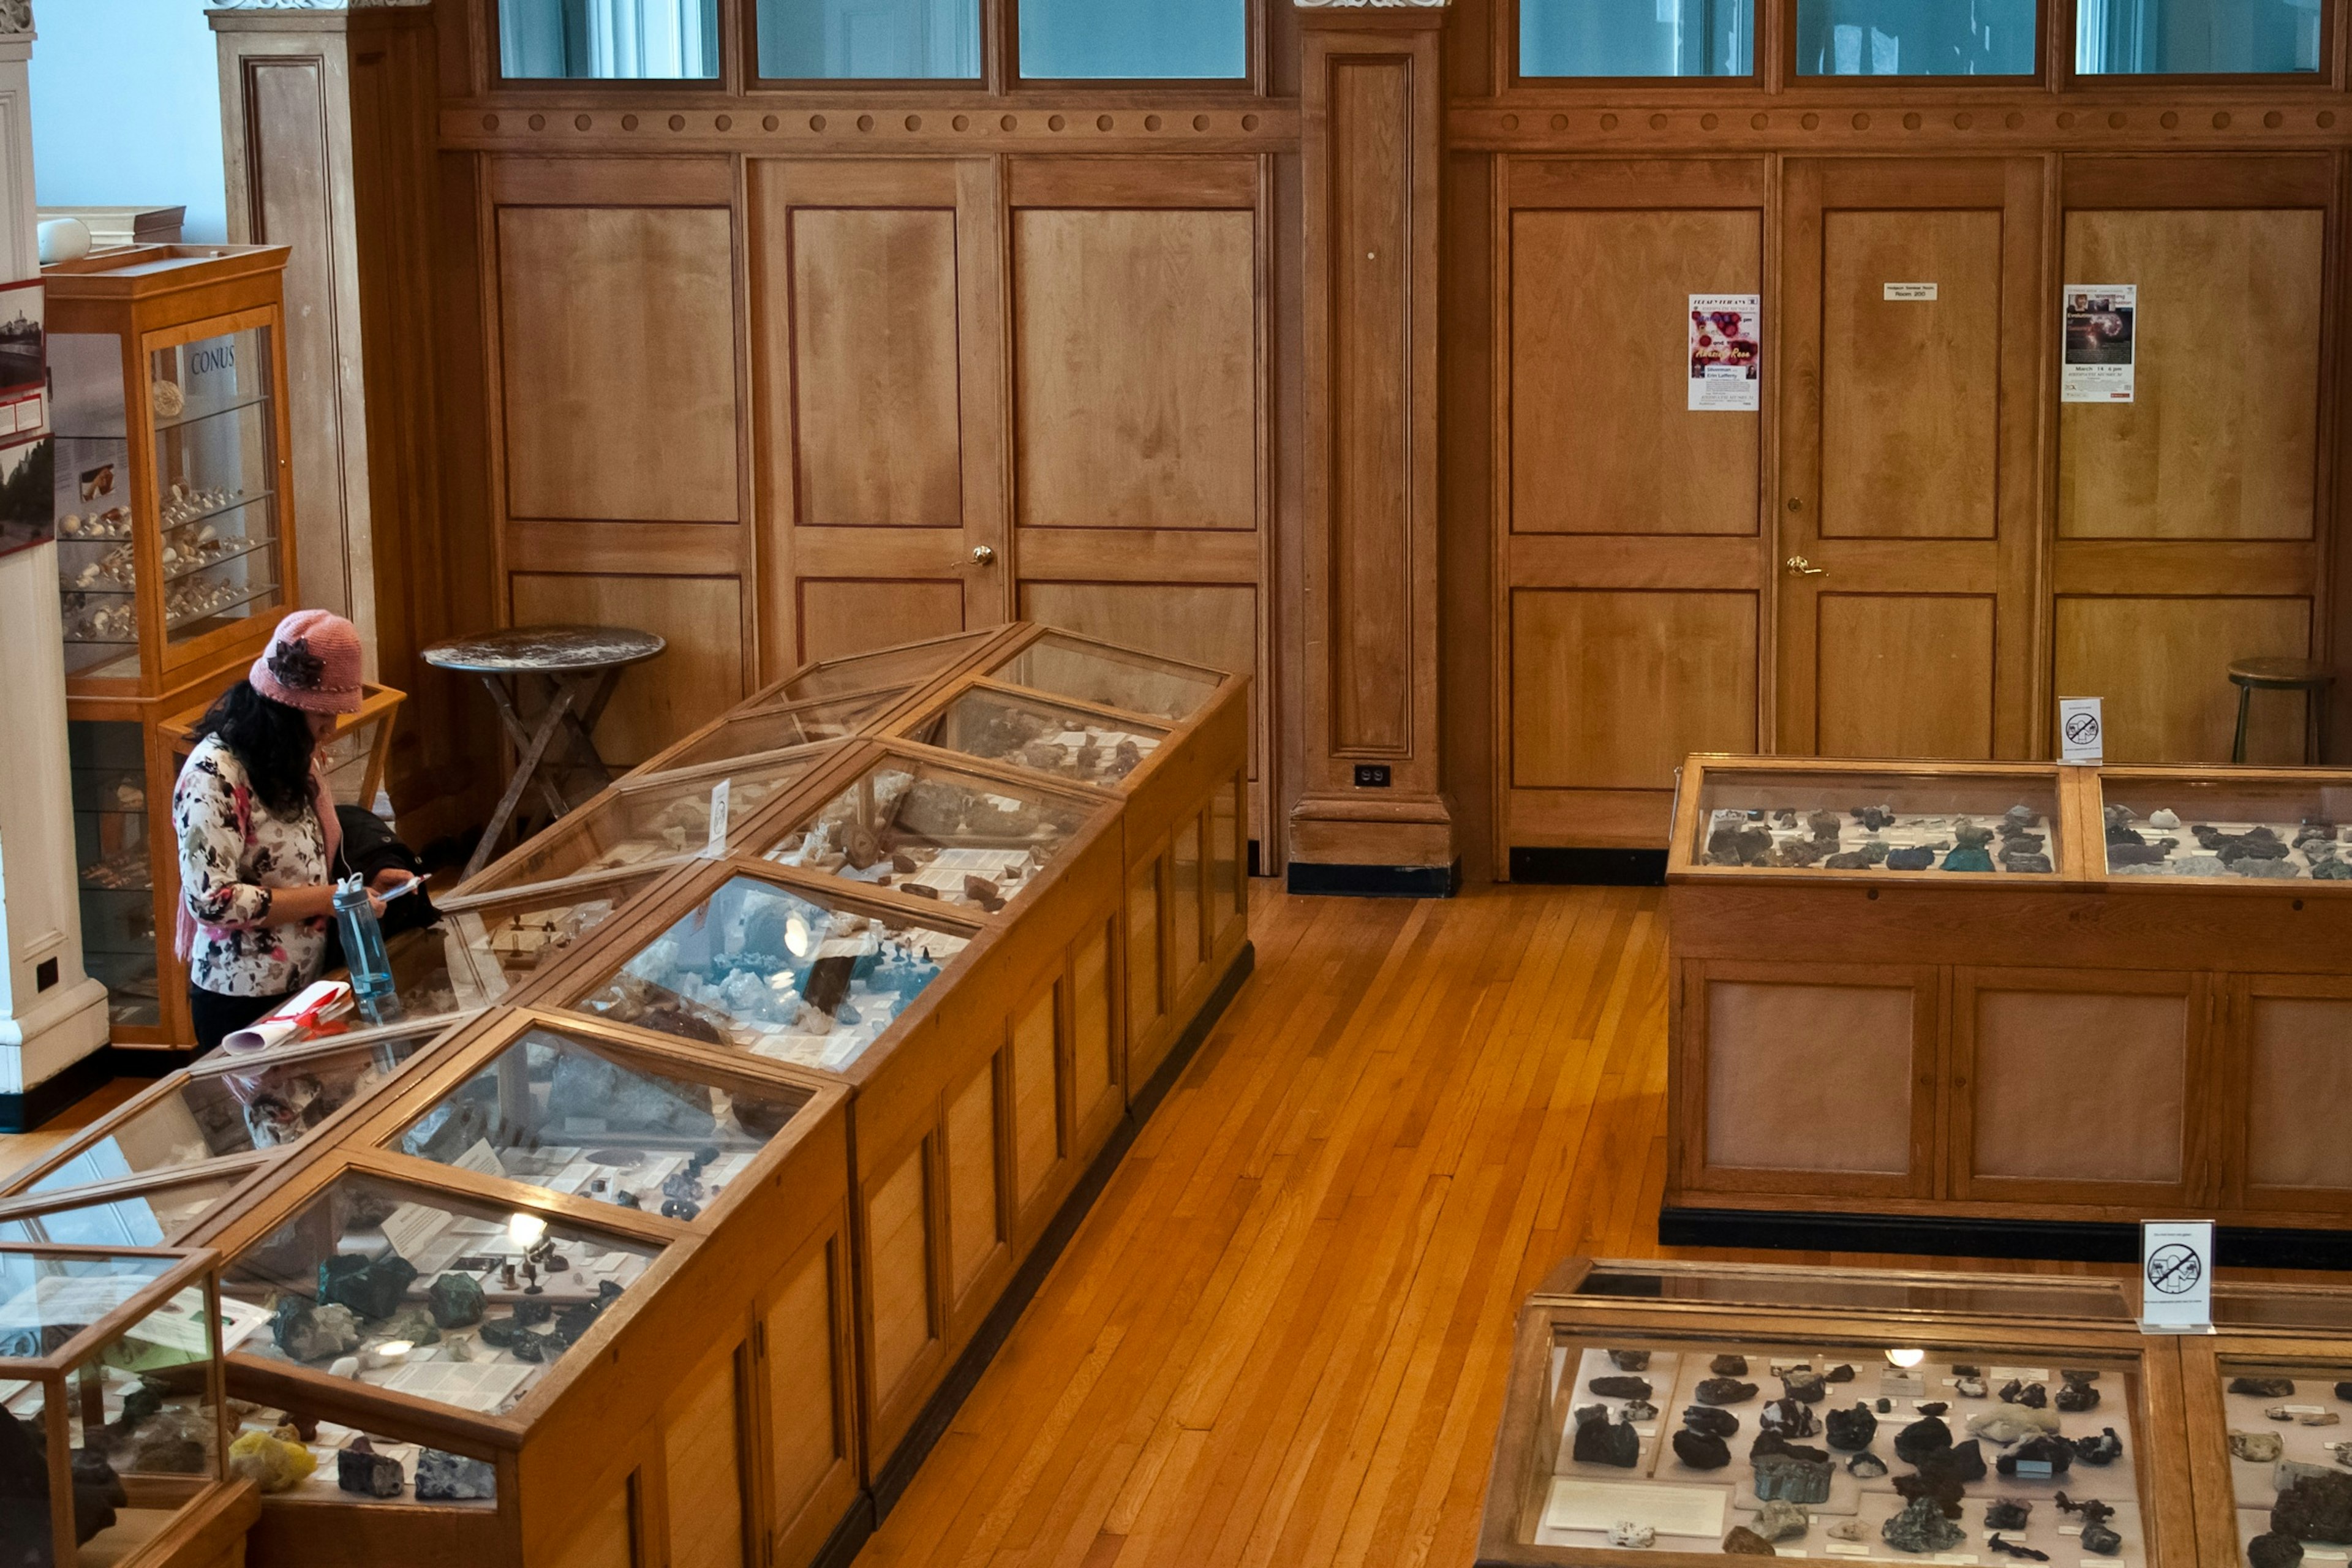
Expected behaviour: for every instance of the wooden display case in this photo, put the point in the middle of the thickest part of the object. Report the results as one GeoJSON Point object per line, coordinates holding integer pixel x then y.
{"type": "Point", "coordinates": [1859, 1336]}
{"type": "Point", "coordinates": [2303, 1335]}
{"type": "Point", "coordinates": [175, 543]}
{"type": "Point", "coordinates": [2055, 1029]}
{"type": "Point", "coordinates": [112, 1442]}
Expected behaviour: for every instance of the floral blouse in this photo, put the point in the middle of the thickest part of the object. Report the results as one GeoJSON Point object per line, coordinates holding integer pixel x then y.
{"type": "Point", "coordinates": [233, 851]}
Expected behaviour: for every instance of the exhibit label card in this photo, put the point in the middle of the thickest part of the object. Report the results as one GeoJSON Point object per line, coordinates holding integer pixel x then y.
{"type": "Point", "coordinates": [2081, 732]}
{"type": "Point", "coordinates": [720, 792]}
{"type": "Point", "coordinates": [2101, 342]}
{"type": "Point", "coordinates": [2177, 1265]}
{"type": "Point", "coordinates": [1911, 291]}
{"type": "Point", "coordinates": [1727, 336]}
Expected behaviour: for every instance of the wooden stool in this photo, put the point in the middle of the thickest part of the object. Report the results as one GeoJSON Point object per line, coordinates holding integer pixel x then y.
{"type": "Point", "coordinates": [2252, 675]}
{"type": "Point", "coordinates": [581, 665]}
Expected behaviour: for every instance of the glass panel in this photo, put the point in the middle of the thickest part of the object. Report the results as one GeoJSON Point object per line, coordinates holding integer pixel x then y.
{"type": "Point", "coordinates": [2196, 36]}
{"type": "Point", "coordinates": [609, 40]}
{"type": "Point", "coordinates": [2287, 1451]}
{"type": "Point", "coordinates": [1064, 666]}
{"type": "Point", "coordinates": [115, 865]}
{"type": "Point", "coordinates": [1853, 822]}
{"type": "Point", "coordinates": [1044, 737]}
{"type": "Point", "coordinates": [1853, 1292]}
{"type": "Point", "coordinates": [217, 461]}
{"type": "Point", "coordinates": [933, 833]}
{"type": "Point", "coordinates": [144, 1432]}
{"type": "Point", "coordinates": [92, 480]}
{"type": "Point", "coordinates": [1629, 37]}
{"type": "Point", "coordinates": [46, 1301]}
{"type": "Point", "coordinates": [773, 729]}
{"type": "Point", "coordinates": [2209, 828]}
{"type": "Point", "coordinates": [645, 822]}
{"type": "Point", "coordinates": [344, 758]}
{"type": "Point", "coordinates": [155, 1217]}
{"type": "Point", "coordinates": [1697, 1438]}
{"type": "Point", "coordinates": [890, 40]}
{"type": "Point", "coordinates": [27, 1533]}
{"type": "Point", "coordinates": [1182, 39]}
{"type": "Point", "coordinates": [865, 672]}
{"type": "Point", "coordinates": [771, 973]}
{"type": "Point", "coordinates": [446, 1299]}
{"type": "Point", "coordinates": [1915, 38]}
{"type": "Point", "coordinates": [512, 938]}
{"type": "Point", "coordinates": [560, 1113]}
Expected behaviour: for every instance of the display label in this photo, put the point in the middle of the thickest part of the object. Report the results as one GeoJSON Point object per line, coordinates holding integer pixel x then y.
{"type": "Point", "coordinates": [1918, 291]}
{"type": "Point", "coordinates": [717, 849]}
{"type": "Point", "coordinates": [2101, 339]}
{"type": "Point", "coordinates": [2082, 730]}
{"type": "Point", "coordinates": [1726, 354]}
{"type": "Point", "coordinates": [2177, 1269]}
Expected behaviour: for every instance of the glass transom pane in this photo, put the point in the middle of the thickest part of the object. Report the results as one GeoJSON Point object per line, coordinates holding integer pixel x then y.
{"type": "Point", "coordinates": [885, 39]}
{"type": "Point", "coordinates": [1637, 38]}
{"type": "Point", "coordinates": [2196, 38]}
{"type": "Point", "coordinates": [1106, 39]}
{"type": "Point", "coordinates": [1916, 37]}
{"type": "Point", "coordinates": [667, 40]}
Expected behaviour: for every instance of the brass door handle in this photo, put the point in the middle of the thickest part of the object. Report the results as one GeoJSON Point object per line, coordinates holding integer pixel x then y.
{"type": "Point", "coordinates": [1800, 567]}
{"type": "Point", "coordinates": [983, 555]}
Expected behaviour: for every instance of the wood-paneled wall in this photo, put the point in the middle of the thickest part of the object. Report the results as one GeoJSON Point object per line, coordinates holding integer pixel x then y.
{"type": "Point", "coordinates": [1367, 376]}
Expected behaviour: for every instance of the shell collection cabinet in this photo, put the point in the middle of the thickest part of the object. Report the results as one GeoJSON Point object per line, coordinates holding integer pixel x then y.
{"type": "Point", "coordinates": [175, 559]}
{"type": "Point", "coordinates": [727, 1123]}
{"type": "Point", "coordinates": [113, 1444]}
{"type": "Point", "coordinates": [1976, 994]}
{"type": "Point", "coordinates": [1681, 1412]}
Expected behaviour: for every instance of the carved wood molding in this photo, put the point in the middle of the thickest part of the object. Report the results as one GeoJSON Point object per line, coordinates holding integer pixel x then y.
{"type": "Point", "coordinates": [1371, 5]}
{"type": "Point", "coordinates": [2248, 121]}
{"type": "Point", "coordinates": [862, 127]}
{"type": "Point", "coordinates": [317, 5]}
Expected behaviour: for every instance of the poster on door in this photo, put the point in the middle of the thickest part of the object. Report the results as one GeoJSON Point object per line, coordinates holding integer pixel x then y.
{"type": "Point", "coordinates": [1727, 336]}
{"type": "Point", "coordinates": [2101, 342]}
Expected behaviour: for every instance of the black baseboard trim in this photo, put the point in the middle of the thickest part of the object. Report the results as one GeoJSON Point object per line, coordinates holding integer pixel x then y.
{"type": "Point", "coordinates": [1376, 881]}
{"type": "Point", "coordinates": [2071, 1241]}
{"type": "Point", "coordinates": [849, 1537]}
{"type": "Point", "coordinates": [77, 1081]}
{"type": "Point", "coordinates": [897, 1472]}
{"type": "Point", "coordinates": [147, 1061]}
{"type": "Point", "coordinates": [1589, 868]}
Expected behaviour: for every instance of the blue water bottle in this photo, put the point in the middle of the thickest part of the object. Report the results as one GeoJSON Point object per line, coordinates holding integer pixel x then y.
{"type": "Point", "coordinates": [363, 955]}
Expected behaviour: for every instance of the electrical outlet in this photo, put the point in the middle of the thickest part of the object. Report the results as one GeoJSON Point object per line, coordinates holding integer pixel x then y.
{"type": "Point", "coordinates": [1372, 776]}
{"type": "Point", "coordinates": [45, 975]}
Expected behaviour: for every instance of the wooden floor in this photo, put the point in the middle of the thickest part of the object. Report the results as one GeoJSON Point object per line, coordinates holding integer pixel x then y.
{"type": "Point", "coordinates": [1280, 1337]}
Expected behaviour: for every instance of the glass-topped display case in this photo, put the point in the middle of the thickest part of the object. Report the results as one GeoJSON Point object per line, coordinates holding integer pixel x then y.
{"type": "Point", "coordinates": [650, 820]}
{"type": "Point", "coordinates": [2269, 1397]}
{"type": "Point", "coordinates": [1836, 1414]}
{"type": "Point", "coordinates": [111, 1400]}
{"type": "Point", "coordinates": [1018, 729]}
{"type": "Point", "coordinates": [754, 731]}
{"type": "Point", "coordinates": [1061, 664]}
{"type": "Point", "coordinates": [1870, 819]}
{"type": "Point", "coordinates": [2227, 825]}
{"type": "Point", "coordinates": [906, 664]}
{"type": "Point", "coordinates": [780, 970]}
{"type": "Point", "coordinates": [156, 1212]}
{"type": "Point", "coordinates": [507, 939]}
{"type": "Point", "coordinates": [115, 866]}
{"type": "Point", "coordinates": [933, 830]}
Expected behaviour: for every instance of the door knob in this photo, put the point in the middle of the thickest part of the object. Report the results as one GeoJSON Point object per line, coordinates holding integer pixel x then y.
{"type": "Point", "coordinates": [1800, 567]}
{"type": "Point", "coordinates": [983, 555]}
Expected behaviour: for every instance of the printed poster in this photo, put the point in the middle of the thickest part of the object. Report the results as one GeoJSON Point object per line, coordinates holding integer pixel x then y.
{"type": "Point", "coordinates": [2101, 348]}
{"type": "Point", "coordinates": [1726, 335]}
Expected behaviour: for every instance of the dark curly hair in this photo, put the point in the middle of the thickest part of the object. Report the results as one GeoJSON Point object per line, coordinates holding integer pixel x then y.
{"type": "Point", "coordinates": [272, 739]}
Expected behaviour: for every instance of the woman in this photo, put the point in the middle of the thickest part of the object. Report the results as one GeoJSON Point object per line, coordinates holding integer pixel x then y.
{"type": "Point", "coordinates": [258, 832]}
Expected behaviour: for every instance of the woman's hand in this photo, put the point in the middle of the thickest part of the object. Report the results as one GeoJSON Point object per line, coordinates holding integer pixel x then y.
{"type": "Point", "coordinates": [388, 881]}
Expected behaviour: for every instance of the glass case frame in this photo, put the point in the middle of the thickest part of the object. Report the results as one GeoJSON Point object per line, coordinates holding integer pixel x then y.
{"type": "Point", "coordinates": [723, 740]}
{"type": "Point", "coordinates": [913, 666]}
{"type": "Point", "coordinates": [2301, 1331]}
{"type": "Point", "coordinates": [235, 1178]}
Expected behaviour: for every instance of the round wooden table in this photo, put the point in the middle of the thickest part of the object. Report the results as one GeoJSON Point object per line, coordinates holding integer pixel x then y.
{"type": "Point", "coordinates": [579, 666]}
{"type": "Point", "coordinates": [2252, 675]}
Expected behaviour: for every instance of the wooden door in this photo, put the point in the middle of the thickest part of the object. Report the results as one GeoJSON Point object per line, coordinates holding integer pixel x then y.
{"type": "Point", "coordinates": [1912, 329]}
{"type": "Point", "coordinates": [1142, 439]}
{"type": "Point", "coordinates": [879, 365]}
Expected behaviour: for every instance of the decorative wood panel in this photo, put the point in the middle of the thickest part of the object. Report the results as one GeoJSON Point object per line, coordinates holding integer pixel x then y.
{"type": "Point", "coordinates": [1036, 1123]}
{"type": "Point", "coordinates": [1136, 352]}
{"type": "Point", "coordinates": [2047, 1109]}
{"type": "Point", "coordinates": [1144, 990]}
{"type": "Point", "coordinates": [702, 1453]}
{"type": "Point", "coordinates": [875, 381]}
{"type": "Point", "coordinates": [974, 1228]}
{"type": "Point", "coordinates": [2298, 1080]}
{"type": "Point", "coordinates": [1184, 951]}
{"type": "Point", "coordinates": [603, 1539]}
{"type": "Point", "coordinates": [1910, 403]}
{"type": "Point", "coordinates": [898, 1256]}
{"type": "Point", "coordinates": [2162, 665]}
{"type": "Point", "coordinates": [1781, 1057]}
{"type": "Point", "coordinates": [837, 619]}
{"type": "Point", "coordinates": [1905, 675]}
{"type": "Point", "coordinates": [700, 676]}
{"type": "Point", "coordinates": [617, 341]}
{"type": "Point", "coordinates": [2219, 440]}
{"type": "Point", "coordinates": [803, 1432]}
{"type": "Point", "coordinates": [1612, 691]}
{"type": "Point", "coordinates": [1602, 437]}
{"type": "Point", "coordinates": [1095, 1034]}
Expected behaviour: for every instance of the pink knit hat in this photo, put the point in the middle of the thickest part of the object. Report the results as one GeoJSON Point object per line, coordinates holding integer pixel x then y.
{"type": "Point", "coordinates": [313, 664]}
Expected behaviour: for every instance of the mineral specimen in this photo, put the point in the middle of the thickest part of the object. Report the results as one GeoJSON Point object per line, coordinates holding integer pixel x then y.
{"type": "Point", "coordinates": [2343, 1392]}
{"type": "Point", "coordinates": [1962, 1462]}
{"type": "Point", "coordinates": [1921, 1527]}
{"type": "Point", "coordinates": [1886, 1406]}
{"type": "Point", "coordinates": [1791, 1478]}
{"type": "Point", "coordinates": [2031, 1396]}
{"type": "Point", "coordinates": [453, 1478]}
{"type": "Point", "coordinates": [2007, 1514]}
{"type": "Point", "coordinates": [1630, 1361]}
{"type": "Point", "coordinates": [1724, 1391]}
{"type": "Point", "coordinates": [2281, 1413]}
{"type": "Point", "coordinates": [1640, 1410]}
{"type": "Point", "coordinates": [1701, 1450]}
{"type": "Point", "coordinates": [2000, 1548]}
{"type": "Point", "coordinates": [372, 1286]}
{"type": "Point", "coordinates": [2260, 1448]}
{"type": "Point", "coordinates": [1728, 1366]}
{"type": "Point", "coordinates": [1620, 1387]}
{"type": "Point", "coordinates": [1946, 1492]}
{"type": "Point", "coordinates": [2098, 1538]}
{"type": "Point", "coordinates": [2009, 1423]}
{"type": "Point", "coordinates": [1625, 1533]}
{"type": "Point", "coordinates": [1933, 1407]}
{"type": "Point", "coordinates": [1969, 859]}
{"type": "Point", "coordinates": [457, 1300]}
{"type": "Point", "coordinates": [1841, 1372]}
{"type": "Point", "coordinates": [590, 1088]}
{"type": "Point", "coordinates": [2042, 1454]}
{"type": "Point", "coordinates": [1968, 1387]}
{"type": "Point", "coordinates": [360, 1468]}
{"type": "Point", "coordinates": [2316, 1508]}
{"type": "Point", "coordinates": [1788, 1417]}
{"type": "Point", "coordinates": [1744, 1542]}
{"type": "Point", "coordinates": [1911, 859]}
{"type": "Point", "coordinates": [2272, 1549]}
{"type": "Point", "coordinates": [2089, 1510]}
{"type": "Point", "coordinates": [1711, 1421]}
{"type": "Point", "coordinates": [306, 1332]}
{"type": "Point", "coordinates": [1845, 1529]}
{"type": "Point", "coordinates": [2264, 1387]}
{"type": "Point", "coordinates": [1601, 1441]}
{"type": "Point", "coordinates": [1874, 818]}
{"type": "Point", "coordinates": [2078, 1396]}
{"type": "Point", "coordinates": [1922, 1438]}
{"type": "Point", "coordinates": [1865, 1467]}
{"type": "Point", "coordinates": [1777, 1520]}
{"type": "Point", "coordinates": [1851, 1430]}
{"type": "Point", "coordinates": [273, 1464]}
{"type": "Point", "coordinates": [2104, 1449]}
{"type": "Point", "coordinates": [1806, 1387]}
